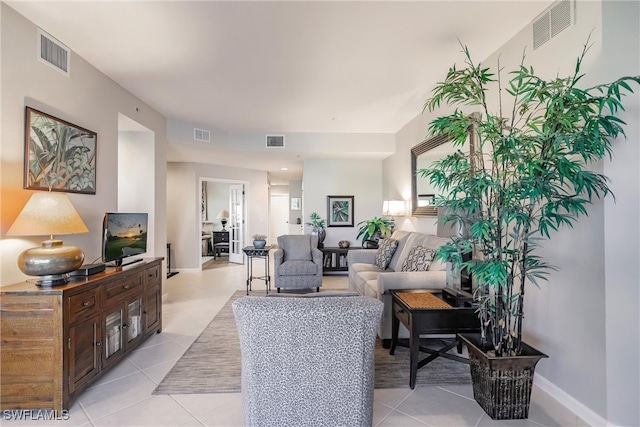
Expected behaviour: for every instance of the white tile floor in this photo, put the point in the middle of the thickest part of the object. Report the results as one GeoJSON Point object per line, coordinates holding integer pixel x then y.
{"type": "Point", "coordinates": [123, 397]}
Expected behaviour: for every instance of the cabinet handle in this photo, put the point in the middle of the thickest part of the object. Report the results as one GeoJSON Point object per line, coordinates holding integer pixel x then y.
{"type": "Point", "coordinates": [86, 303]}
{"type": "Point", "coordinates": [125, 287]}
{"type": "Point", "coordinates": [98, 344]}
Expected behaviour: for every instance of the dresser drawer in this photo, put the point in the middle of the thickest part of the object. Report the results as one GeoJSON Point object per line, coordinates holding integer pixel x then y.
{"type": "Point", "coordinates": [123, 287]}
{"type": "Point", "coordinates": [83, 305]}
{"type": "Point", "coordinates": [152, 275]}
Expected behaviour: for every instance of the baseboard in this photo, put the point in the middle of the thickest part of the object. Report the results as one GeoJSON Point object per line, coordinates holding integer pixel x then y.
{"type": "Point", "coordinates": [569, 402]}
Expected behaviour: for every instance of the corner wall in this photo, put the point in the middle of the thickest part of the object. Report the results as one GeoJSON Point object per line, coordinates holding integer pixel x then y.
{"type": "Point", "coordinates": [587, 316]}
{"type": "Point", "coordinates": [89, 99]}
{"type": "Point", "coordinates": [183, 208]}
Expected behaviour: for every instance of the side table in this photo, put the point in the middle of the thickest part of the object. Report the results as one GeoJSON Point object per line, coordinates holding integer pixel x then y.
{"type": "Point", "coordinates": [431, 311]}
{"type": "Point", "coordinates": [251, 253]}
{"type": "Point", "coordinates": [335, 259]}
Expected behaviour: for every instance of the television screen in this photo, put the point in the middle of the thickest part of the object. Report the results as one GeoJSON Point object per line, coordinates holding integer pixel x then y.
{"type": "Point", "coordinates": [124, 235]}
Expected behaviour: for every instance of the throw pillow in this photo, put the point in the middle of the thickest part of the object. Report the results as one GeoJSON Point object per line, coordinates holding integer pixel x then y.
{"type": "Point", "coordinates": [386, 249]}
{"type": "Point", "coordinates": [418, 259]}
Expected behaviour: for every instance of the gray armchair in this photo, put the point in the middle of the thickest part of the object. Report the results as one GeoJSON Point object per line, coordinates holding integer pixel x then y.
{"type": "Point", "coordinates": [297, 262]}
{"type": "Point", "coordinates": [314, 369]}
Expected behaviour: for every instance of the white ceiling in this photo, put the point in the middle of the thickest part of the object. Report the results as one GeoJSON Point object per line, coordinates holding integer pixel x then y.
{"type": "Point", "coordinates": [278, 67]}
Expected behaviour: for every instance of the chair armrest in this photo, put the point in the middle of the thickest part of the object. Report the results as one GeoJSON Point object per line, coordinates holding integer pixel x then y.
{"type": "Point", "coordinates": [366, 256]}
{"type": "Point", "coordinates": [411, 280]}
{"type": "Point", "coordinates": [278, 256]}
{"type": "Point", "coordinates": [316, 257]}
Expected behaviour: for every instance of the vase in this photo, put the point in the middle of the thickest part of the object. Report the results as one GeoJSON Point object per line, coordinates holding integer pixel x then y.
{"type": "Point", "coordinates": [502, 385]}
{"type": "Point", "coordinates": [259, 244]}
{"type": "Point", "coordinates": [321, 233]}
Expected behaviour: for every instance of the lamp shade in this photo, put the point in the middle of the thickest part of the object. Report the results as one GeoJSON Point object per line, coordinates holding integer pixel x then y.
{"type": "Point", "coordinates": [48, 213]}
{"type": "Point", "coordinates": [223, 214]}
{"type": "Point", "coordinates": [393, 208]}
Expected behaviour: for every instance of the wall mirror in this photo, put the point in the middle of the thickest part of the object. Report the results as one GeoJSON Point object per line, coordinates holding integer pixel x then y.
{"type": "Point", "coordinates": [422, 156]}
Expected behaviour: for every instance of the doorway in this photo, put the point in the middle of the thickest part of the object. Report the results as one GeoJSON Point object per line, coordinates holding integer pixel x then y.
{"type": "Point", "coordinates": [223, 225]}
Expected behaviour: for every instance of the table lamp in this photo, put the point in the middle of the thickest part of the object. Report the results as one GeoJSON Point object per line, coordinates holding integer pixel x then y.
{"type": "Point", "coordinates": [49, 213]}
{"type": "Point", "coordinates": [222, 216]}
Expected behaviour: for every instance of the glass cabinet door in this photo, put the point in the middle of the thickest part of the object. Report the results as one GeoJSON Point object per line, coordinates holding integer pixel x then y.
{"type": "Point", "coordinates": [134, 319]}
{"type": "Point", "coordinates": [113, 333]}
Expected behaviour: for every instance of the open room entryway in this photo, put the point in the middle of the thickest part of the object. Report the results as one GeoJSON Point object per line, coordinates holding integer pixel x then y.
{"type": "Point", "coordinates": [223, 226]}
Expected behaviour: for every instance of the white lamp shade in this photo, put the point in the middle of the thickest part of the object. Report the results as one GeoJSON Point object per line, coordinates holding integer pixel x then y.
{"type": "Point", "coordinates": [393, 208]}
{"type": "Point", "coordinates": [48, 213]}
{"type": "Point", "coordinates": [223, 214]}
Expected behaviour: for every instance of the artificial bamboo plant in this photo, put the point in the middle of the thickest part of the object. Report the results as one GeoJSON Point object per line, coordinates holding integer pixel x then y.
{"type": "Point", "coordinates": [518, 175]}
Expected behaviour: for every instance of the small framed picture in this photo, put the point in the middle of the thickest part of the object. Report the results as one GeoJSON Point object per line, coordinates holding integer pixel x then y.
{"type": "Point", "coordinates": [295, 203]}
{"type": "Point", "coordinates": [339, 211]}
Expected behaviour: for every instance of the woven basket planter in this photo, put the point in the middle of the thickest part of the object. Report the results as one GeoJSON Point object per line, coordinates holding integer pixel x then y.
{"type": "Point", "coordinates": [502, 385]}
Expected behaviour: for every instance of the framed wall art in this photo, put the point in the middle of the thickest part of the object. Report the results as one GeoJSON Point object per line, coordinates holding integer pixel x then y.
{"type": "Point", "coordinates": [339, 211]}
{"type": "Point", "coordinates": [59, 155]}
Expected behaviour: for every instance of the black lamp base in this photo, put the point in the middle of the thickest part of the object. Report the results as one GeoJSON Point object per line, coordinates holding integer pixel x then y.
{"type": "Point", "coordinates": [52, 280]}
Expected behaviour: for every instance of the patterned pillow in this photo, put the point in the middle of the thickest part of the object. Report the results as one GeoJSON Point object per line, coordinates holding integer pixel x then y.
{"type": "Point", "coordinates": [419, 259]}
{"type": "Point", "coordinates": [386, 248]}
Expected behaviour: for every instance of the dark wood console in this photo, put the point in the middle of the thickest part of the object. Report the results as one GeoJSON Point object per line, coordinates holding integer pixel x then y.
{"type": "Point", "coordinates": [335, 259]}
{"type": "Point", "coordinates": [56, 341]}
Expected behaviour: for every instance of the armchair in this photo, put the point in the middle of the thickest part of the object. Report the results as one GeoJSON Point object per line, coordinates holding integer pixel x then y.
{"type": "Point", "coordinates": [317, 369]}
{"type": "Point", "coordinates": [297, 262]}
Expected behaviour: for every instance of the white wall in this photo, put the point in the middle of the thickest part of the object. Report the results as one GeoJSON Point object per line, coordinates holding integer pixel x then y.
{"type": "Point", "coordinates": [586, 317]}
{"type": "Point", "coordinates": [89, 99]}
{"type": "Point", "coordinates": [183, 206]}
{"type": "Point", "coordinates": [359, 178]}
{"type": "Point", "coordinates": [136, 193]}
{"type": "Point", "coordinates": [621, 48]}
{"type": "Point", "coordinates": [217, 200]}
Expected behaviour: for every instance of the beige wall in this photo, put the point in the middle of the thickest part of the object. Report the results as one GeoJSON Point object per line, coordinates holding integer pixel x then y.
{"type": "Point", "coordinates": [89, 99]}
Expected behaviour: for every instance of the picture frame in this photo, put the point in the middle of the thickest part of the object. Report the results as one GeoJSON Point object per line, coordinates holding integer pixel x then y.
{"type": "Point", "coordinates": [59, 156]}
{"type": "Point", "coordinates": [296, 203]}
{"type": "Point", "coordinates": [340, 211]}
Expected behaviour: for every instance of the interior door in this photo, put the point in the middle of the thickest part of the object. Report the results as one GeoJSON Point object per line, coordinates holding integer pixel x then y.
{"type": "Point", "coordinates": [237, 223]}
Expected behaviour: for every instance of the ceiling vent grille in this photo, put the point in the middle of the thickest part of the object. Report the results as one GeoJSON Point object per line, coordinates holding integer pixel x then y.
{"type": "Point", "coordinates": [201, 135]}
{"type": "Point", "coordinates": [559, 17]}
{"type": "Point", "coordinates": [54, 53]}
{"type": "Point", "coordinates": [275, 141]}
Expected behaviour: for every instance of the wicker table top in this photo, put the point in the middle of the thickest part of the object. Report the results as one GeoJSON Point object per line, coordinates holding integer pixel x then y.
{"type": "Point", "coordinates": [422, 300]}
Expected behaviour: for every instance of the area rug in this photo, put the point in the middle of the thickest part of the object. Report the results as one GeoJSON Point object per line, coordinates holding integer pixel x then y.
{"type": "Point", "coordinates": [212, 363]}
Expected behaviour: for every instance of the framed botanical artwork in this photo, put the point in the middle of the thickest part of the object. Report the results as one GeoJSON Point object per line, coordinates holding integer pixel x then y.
{"type": "Point", "coordinates": [339, 211]}
{"type": "Point", "coordinates": [59, 155]}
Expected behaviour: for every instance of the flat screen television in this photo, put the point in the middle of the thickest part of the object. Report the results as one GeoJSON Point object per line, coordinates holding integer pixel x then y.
{"type": "Point", "coordinates": [124, 235]}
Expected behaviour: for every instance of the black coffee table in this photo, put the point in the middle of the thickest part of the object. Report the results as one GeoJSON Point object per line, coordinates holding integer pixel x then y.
{"type": "Point", "coordinates": [431, 311]}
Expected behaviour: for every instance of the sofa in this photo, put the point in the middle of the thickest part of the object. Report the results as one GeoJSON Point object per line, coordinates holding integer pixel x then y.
{"type": "Point", "coordinates": [367, 279]}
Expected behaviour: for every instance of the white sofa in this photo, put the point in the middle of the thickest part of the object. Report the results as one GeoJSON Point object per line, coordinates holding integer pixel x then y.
{"type": "Point", "coordinates": [367, 279]}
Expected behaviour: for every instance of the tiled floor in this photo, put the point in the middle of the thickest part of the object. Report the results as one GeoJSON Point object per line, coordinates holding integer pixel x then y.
{"type": "Point", "coordinates": [124, 396]}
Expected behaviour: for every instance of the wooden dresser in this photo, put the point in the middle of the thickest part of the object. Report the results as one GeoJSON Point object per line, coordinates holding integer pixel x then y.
{"type": "Point", "coordinates": [56, 341]}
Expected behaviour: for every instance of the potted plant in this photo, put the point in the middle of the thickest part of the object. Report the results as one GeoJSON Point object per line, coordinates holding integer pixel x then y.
{"type": "Point", "coordinates": [259, 241]}
{"type": "Point", "coordinates": [372, 230]}
{"type": "Point", "coordinates": [318, 228]}
{"type": "Point", "coordinates": [523, 174]}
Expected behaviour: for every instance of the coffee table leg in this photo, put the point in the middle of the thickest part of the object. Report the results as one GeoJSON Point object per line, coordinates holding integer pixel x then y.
{"type": "Point", "coordinates": [395, 325]}
{"type": "Point", "coordinates": [414, 348]}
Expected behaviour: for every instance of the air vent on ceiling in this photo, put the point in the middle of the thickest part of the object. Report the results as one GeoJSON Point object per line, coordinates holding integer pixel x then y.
{"type": "Point", "coordinates": [275, 141]}
{"type": "Point", "coordinates": [202, 135]}
{"type": "Point", "coordinates": [558, 17]}
{"type": "Point", "coordinates": [53, 53]}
